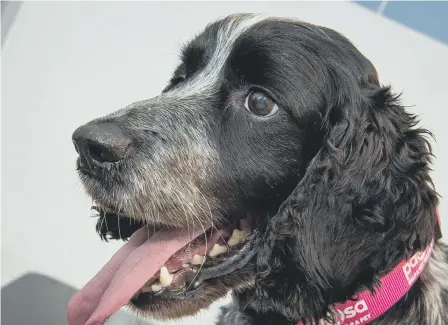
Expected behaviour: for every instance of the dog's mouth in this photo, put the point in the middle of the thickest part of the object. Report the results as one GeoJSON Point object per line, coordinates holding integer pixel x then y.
{"type": "Point", "coordinates": [159, 263]}
{"type": "Point", "coordinates": [180, 272]}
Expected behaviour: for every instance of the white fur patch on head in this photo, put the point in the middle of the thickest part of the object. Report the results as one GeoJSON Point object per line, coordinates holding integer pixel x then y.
{"type": "Point", "coordinates": [205, 81]}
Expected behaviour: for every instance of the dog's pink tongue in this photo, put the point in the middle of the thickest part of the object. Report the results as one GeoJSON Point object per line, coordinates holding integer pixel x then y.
{"type": "Point", "coordinates": [126, 272]}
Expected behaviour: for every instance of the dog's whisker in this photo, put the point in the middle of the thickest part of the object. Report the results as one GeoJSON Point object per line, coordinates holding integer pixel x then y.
{"type": "Point", "coordinates": [153, 218]}
{"type": "Point", "coordinates": [211, 218]}
{"type": "Point", "coordinates": [107, 225]}
{"type": "Point", "coordinates": [182, 204]}
{"type": "Point", "coordinates": [203, 261]}
{"type": "Point", "coordinates": [118, 220]}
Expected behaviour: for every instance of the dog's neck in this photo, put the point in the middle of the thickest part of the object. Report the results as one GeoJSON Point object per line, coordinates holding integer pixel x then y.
{"type": "Point", "coordinates": [368, 306]}
{"type": "Point", "coordinates": [393, 286]}
{"type": "Point", "coordinates": [424, 304]}
{"type": "Point", "coordinates": [415, 292]}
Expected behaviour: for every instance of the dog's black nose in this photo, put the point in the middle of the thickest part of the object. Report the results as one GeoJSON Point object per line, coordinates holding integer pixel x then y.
{"type": "Point", "coordinates": [100, 143]}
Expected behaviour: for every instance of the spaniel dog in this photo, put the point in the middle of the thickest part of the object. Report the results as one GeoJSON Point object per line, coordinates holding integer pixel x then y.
{"type": "Point", "coordinates": [274, 166]}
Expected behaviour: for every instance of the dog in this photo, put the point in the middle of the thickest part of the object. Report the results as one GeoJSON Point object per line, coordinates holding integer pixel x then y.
{"type": "Point", "coordinates": [275, 166]}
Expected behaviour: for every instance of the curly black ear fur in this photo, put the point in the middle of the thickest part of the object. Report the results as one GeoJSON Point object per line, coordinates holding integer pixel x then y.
{"type": "Point", "coordinates": [365, 201]}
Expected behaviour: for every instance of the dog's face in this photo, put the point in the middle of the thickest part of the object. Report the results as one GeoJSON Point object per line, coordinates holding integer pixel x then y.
{"type": "Point", "coordinates": [220, 140]}
{"type": "Point", "coordinates": [228, 137]}
{"type": "Point", "coordinates": [222, 147]}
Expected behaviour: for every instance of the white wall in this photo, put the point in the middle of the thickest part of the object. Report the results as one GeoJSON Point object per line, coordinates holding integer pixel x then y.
{"type": "Point", "coordinates": [66, 63]}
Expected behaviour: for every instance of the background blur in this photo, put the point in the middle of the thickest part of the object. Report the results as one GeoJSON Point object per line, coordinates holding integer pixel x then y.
{"type": "Point", "coordinates": [66, 63]}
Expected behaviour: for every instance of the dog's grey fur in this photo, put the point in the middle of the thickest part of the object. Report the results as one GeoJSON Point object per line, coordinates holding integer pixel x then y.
{"type": "Point", "coordinates": [185, 173]}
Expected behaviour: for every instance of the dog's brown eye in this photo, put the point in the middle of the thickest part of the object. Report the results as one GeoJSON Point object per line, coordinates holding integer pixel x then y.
{"type": "Point", "coordinates": [260, 104]}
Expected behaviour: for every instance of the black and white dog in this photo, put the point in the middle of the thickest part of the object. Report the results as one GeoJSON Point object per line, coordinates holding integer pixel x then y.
{"type": "Point", "coordinates": [273, 165]}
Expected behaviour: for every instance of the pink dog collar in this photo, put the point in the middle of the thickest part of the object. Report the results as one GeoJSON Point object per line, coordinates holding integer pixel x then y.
{"type": "Point", "coordinates": [393, 286]}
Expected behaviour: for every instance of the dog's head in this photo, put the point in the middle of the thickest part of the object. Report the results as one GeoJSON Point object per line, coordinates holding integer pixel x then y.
{"type": "Point", "coordinates": [278, 129]}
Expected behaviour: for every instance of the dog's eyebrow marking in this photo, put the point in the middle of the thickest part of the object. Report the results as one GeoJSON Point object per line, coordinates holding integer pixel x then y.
{"type": "Point", "coordinates": [204, 81]}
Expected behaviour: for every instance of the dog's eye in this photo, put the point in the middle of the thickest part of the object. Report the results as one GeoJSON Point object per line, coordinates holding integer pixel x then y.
{"type": "Point", "coordinates": [260, 104]}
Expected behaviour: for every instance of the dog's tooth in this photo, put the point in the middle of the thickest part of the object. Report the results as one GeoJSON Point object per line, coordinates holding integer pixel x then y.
{"type": "Point", "coordinates": [197, 259]}
{"type": "Point", "coordinates": [165, 277]}
{"type": "Point", "coordinates": [217, 250]}
{"type": "Point", "coordinates": [185, 266]}
{"type": "Point", "coordinates": [156, 287]}
{"type": "Point", "coordinates": [237, 237]}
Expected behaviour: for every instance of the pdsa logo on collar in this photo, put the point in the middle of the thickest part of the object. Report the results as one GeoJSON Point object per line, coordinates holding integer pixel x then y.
{"type": "Point", "coordinates": [351, 315]}
{"type": "Point", "coordinates": [414, 267]}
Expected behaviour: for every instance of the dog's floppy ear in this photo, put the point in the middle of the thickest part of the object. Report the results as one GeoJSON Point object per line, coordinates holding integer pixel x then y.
{"type": "Point", "coordinates": [365, 201]}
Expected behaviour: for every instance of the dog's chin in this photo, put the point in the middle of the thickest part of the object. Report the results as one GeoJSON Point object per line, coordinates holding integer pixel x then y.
{"type": "Point", "coordinates": [172, 305]}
